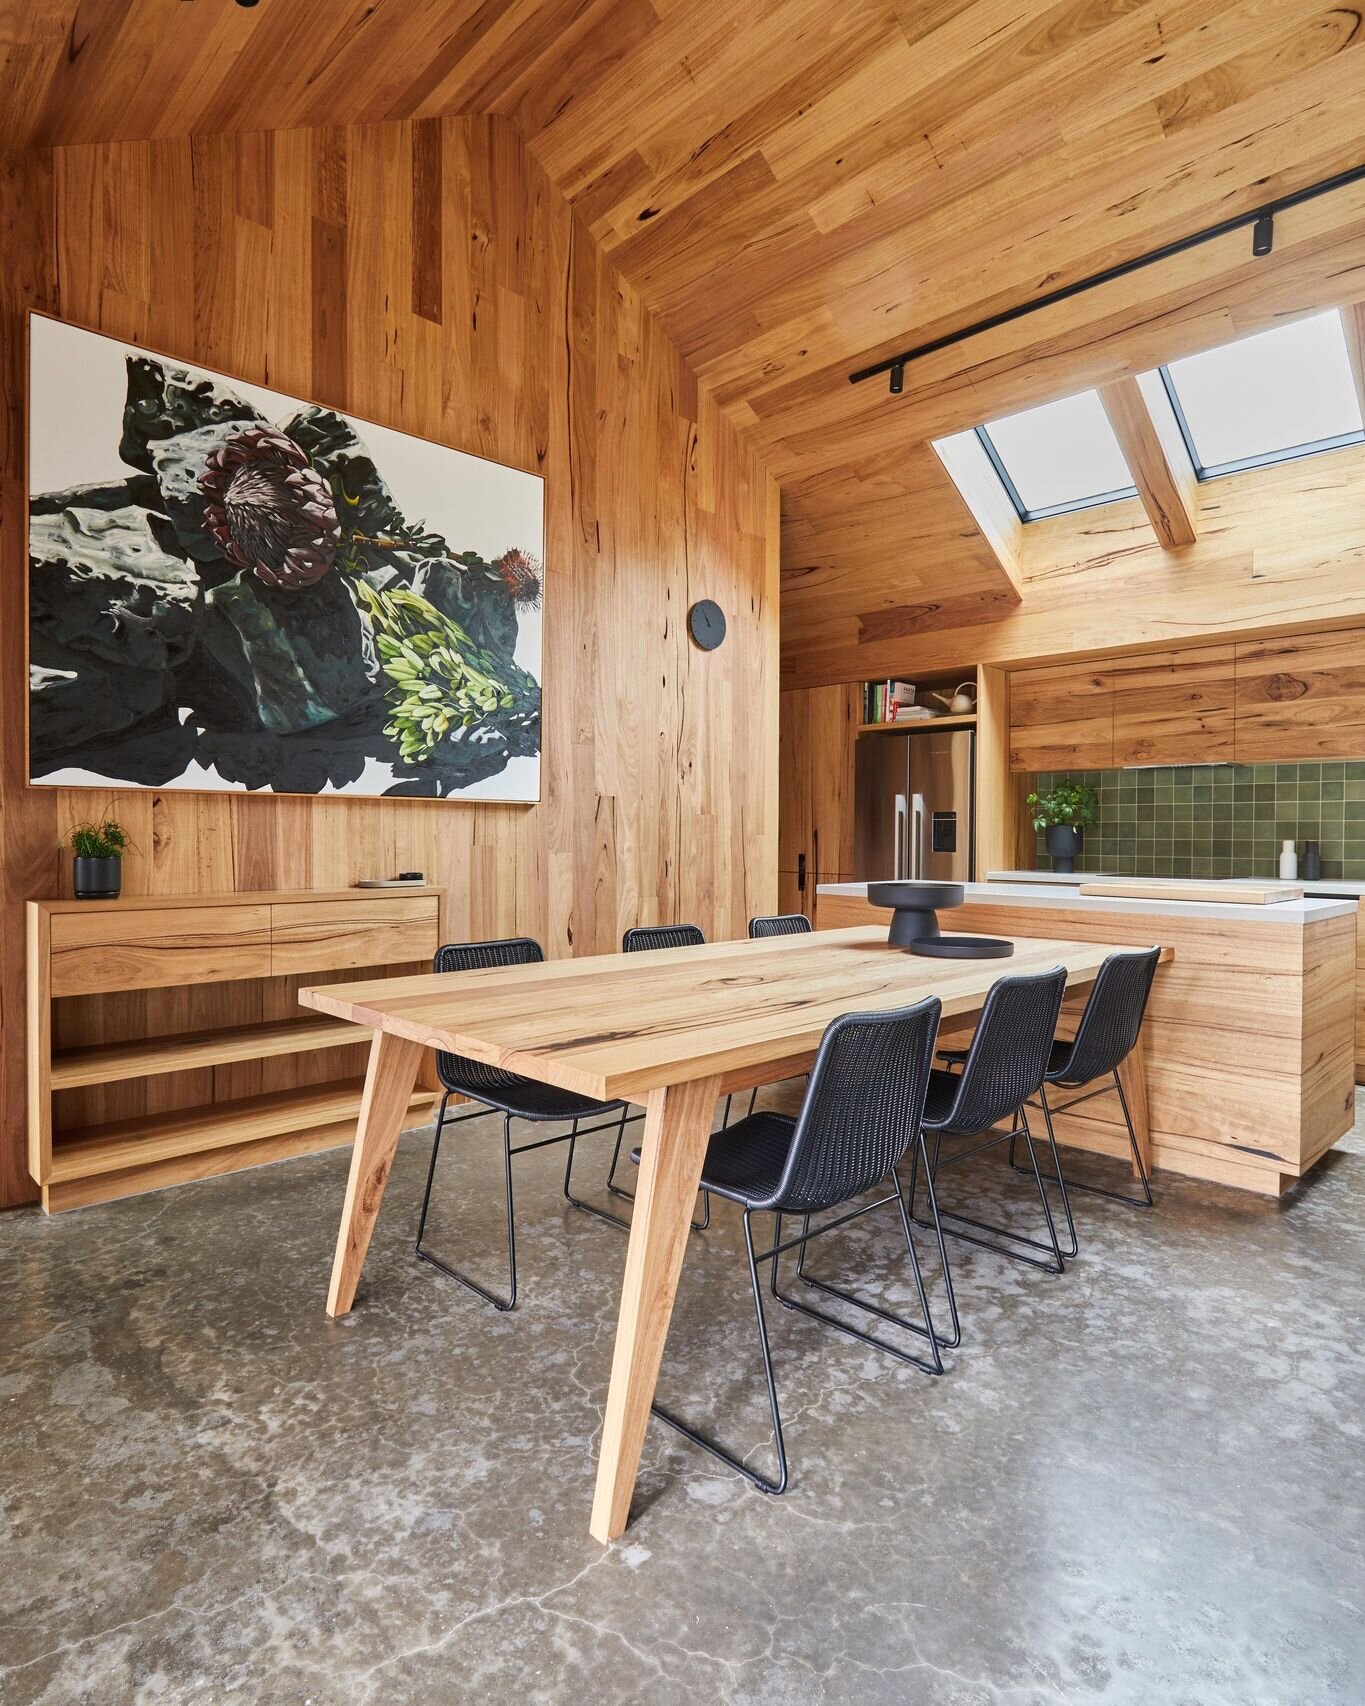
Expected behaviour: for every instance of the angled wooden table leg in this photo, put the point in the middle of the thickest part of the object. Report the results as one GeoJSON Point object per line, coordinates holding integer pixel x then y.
{"type": "Point", "coordinates": [1133, 1077]}
{"type": "Point", "coordinates": [389, 1082]}
{"type": "Point", "coordinates": [677, 1129]}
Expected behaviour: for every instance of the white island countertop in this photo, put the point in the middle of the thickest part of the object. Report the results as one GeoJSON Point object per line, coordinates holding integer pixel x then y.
{"type": "Point", "coordinates": [1063, 893]}
{"type": "Point", "coordinates": [1310, 885]}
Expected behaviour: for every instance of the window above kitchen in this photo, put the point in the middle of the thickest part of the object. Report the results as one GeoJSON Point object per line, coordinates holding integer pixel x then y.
{"type": "Point", "coordinates": [1279, 395]}
{"type": "Point", "coordinates": [1058, 457]}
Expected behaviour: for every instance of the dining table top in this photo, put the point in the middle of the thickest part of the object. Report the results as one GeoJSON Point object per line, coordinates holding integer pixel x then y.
{"type": "Point", "coordinates": [614, 1026]}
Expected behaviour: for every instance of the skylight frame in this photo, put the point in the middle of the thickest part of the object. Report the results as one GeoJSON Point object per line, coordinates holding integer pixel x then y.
{"type": "Point", "coordinates": [1021, 509]}
{"type": "Point", "coordinates": [1266, 459]}
{"type": "Point", "coordinates": [1259, 459]}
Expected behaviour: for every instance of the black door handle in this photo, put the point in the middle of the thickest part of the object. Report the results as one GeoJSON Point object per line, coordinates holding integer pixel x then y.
{"type": "Point", "coordinates": [800, 873]}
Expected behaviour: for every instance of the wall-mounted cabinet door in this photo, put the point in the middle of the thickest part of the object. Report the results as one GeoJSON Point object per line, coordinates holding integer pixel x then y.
{"type": "Point", "coordinates": [1062, 717]}
{"type": "Point", "coordinates": [1301, 698]}
{"type": "Point", "coordinates": [1175, 707]}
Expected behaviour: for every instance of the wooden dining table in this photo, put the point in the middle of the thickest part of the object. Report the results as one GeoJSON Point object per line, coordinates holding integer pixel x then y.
{"type": "Point", "coordinates": [672, 1031]}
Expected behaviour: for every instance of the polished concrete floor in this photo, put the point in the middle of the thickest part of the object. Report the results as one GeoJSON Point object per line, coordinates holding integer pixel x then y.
{"type": "Point", "coordinates": [1139, 1483]}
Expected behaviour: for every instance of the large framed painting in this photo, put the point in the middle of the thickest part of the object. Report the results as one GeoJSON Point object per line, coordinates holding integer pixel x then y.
{"type": "Point", "coordinates": [234, 589]}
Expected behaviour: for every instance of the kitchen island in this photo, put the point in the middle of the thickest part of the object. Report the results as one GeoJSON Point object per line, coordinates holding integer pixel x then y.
{"type": "Point", "coordinates": [1249, 1039]}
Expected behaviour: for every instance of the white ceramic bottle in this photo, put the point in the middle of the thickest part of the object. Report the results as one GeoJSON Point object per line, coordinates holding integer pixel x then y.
{"type": "Point", "coordinates": [1289, 861]}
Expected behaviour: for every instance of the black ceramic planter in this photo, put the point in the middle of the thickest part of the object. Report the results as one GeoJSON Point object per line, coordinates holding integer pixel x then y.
{"type": "Point", "coordinates": [98, 879]}
{"type": "Point", "coordinates": [1063, 845]}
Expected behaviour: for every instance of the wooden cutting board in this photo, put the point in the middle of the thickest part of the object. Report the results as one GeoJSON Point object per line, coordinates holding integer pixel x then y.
{"type": "Point", "coordinates": [1229, 894]}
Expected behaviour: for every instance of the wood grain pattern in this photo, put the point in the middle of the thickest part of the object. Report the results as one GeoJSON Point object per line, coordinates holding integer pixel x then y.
{"type": "Point", "coordinates": [817, 732]}
{"type": "Point", "coordinates": [616, 1025]}
{"type": "Point", "coordinates": [677, 1130]}
{"type": "Point", "coordinates": [1062, 718]}
{"type": "Point", "coordinates": [1301, 698]}
{"type": "Point", "coordinates": [389, 1085]}
{"type": "Point", "coordinates": [308, 936]}
{"type": "Point", "coordinates": [1249, 1037]}
{"type": "Point", "coordinates": [188, 1132]}
{"type": "Point", "coordinates": [1174, 707]}
{"type": "Point", "coordinates": [104, 950]}
{"type": "Point", "coordinates": [660, 761]}
{"type": "Point", "coordinates": [205, 1164]}
{"type": "Point", "coordinates": [1167, 489]}
{"type": "Point", "coordinates": [793, 190]}
{"type": "Point", "coordinates": [130, 1100]}
{"type": "Point", "coordinates": [1279, 551]}
{"type": "Point", "coordinates": [108, 1063]}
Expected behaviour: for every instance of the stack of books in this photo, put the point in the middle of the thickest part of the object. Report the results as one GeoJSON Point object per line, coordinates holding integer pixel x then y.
{"type": "Point", "coordinates": [891, 702]}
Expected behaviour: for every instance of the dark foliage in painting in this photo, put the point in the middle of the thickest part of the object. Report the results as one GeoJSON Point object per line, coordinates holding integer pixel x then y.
{"type": "Point", "coordinates": [251, 598]}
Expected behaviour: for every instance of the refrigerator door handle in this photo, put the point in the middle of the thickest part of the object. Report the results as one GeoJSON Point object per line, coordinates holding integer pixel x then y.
{"type": "Point", "coordinates": [918, 815]}
{"type": "Point", "coordinates": [902, 815]}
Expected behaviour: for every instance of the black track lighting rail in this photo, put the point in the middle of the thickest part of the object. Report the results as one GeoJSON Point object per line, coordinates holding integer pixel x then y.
{"type": "Point", "coordinates": [1260, 219]}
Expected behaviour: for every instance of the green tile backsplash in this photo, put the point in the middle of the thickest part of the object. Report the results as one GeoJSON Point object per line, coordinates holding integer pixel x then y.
{"type": "Point", "coordinates": [1220, 820]}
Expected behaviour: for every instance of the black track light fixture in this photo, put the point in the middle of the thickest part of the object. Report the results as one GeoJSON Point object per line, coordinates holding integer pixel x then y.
{"type": "Point", "coordinates": [1262, 221]}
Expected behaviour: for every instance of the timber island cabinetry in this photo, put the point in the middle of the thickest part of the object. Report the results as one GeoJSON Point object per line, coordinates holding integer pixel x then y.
{"type": "Point", "coordinates": [131, 1089]}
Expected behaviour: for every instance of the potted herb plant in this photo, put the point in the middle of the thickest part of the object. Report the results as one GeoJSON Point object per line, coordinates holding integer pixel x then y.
{"type": "Point", "coordinates": [1064, 812]}
{"type": "Point", "coordinates": [98, 866]}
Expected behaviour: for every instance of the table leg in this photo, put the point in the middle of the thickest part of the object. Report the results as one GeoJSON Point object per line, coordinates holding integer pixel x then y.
{"type": "Point", "coordinates": [1133, 1077]}
{"type": "Point", "coordinates": [677, 1129]}
{"type": "Point", "coordinates": [388, 1090]}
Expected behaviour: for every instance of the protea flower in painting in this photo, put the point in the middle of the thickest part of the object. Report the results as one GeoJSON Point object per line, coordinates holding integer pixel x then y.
{"type": "Point", "coordinates": [522, 573]}
{"type": "Point", "coordinates": [270, 509]}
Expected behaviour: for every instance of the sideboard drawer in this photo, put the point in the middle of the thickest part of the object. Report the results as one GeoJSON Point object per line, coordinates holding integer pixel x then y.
{"type": "Point", "coordinates": [329, 936]}
{"type": "Point", "coordinates": [99, 952]}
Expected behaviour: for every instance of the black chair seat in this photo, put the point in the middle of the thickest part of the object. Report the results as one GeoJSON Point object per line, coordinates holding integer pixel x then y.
{"type": "Point", "coordinates": [744, 1161]}
{"type": "Point", "coordinates": [529, 1099]}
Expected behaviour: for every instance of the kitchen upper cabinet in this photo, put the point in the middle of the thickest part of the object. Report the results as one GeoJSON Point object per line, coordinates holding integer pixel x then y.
{"type": "Point", "coordinates": [815, 790]}
{"type": "Point", "coordinates": [1175, 707]}
{"type": "Point", "coordinates": [1302, 697]}
{"type": "Point", "coordinates": [1062, 717]}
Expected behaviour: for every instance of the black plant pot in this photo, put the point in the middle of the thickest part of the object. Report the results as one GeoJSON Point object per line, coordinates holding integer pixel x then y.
{"type": "Point", "coordinates": [1063, 845]}
{"type": "Point", "coordinates": [98, 879]}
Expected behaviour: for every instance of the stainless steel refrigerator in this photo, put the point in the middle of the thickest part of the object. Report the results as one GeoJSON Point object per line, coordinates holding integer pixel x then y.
{"type": "Point", "coordinates": [914, 800]}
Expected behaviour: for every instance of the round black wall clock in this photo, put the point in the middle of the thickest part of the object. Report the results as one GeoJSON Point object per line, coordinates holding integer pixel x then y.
{"type": "Point", "coordinates": [706, 623]}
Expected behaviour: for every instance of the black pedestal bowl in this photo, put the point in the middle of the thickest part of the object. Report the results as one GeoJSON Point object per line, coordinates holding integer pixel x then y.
{"type": "Point", "coordinates": [914, 922]}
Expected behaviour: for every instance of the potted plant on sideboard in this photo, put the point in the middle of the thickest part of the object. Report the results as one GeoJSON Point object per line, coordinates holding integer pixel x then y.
{"type": "Point", "coordinates": [1064, 812]}
{"type": "Point", "coordinates": [97, 870]}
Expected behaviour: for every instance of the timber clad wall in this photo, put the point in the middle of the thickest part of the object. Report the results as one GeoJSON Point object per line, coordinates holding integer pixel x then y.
{"type": "Point", "coordinates": [426, 276]}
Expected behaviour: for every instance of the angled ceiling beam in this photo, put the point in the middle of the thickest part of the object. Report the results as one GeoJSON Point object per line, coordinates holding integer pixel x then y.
{"type": "Point", "coordinates": [986, 501]}
{"type": "Point", "coordinates": [1160, 467]}
{"type": "Point", "coordinates": [1353, 324]}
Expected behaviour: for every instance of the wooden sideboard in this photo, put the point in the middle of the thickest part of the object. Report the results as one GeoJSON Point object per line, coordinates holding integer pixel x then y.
{"type": "Point", "coordinates": [107, 982]}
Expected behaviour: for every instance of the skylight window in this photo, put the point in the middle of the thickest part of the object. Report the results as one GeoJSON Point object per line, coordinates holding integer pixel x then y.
{"type": "Point", "coordinates": [1269, 398]}
{"type": "Point", "coordinates": [1061, 456]}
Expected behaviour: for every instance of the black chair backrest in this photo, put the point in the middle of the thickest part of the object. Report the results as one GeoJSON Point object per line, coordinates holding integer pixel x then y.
{"type": "Point", "coordinates": [863, 1106]}
{"type": "Point", "coordinates": [457, 1071]}
{"type": "Point", "coordinates": [1112, 1017]}
{"type": "Point", "coordinates": [1009, 1053]}
{"type": "Point", "coordinates": [783, 924]}
{"type": "Point", "coordinates": [645, 936]}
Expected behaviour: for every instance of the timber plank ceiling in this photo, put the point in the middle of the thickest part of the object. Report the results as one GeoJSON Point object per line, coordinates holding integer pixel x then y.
{"type": "Point", "coordinates": [797, 188]}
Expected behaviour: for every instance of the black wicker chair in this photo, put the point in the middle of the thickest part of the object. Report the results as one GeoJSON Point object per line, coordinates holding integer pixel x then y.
{"type": "Point", "coordinates": [1110, 1024]}
{"type": "Point", "coordinates": [516, 1098]}
{"type": "Point", "coordinates": [763, 929]}
{"type": "Point", "coordinates": [642, 939]}
{"type": "Point", "coordinates": [1001, 1072]}
{"type": "Point", "coordinates": [861, 1113]}
{"type": "Point", "coordinates": [780, 924]}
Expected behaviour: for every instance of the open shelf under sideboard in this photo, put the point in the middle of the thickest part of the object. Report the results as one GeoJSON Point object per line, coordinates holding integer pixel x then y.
{"type": "Point", "coordinates": [200, 1111]}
